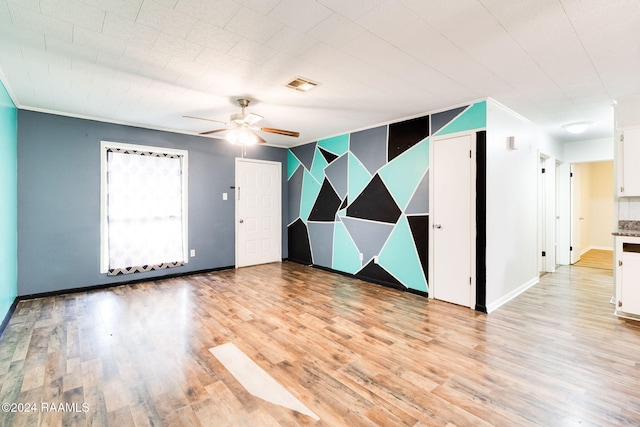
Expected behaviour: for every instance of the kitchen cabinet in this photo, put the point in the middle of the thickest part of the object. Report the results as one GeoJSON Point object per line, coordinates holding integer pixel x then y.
{"type": "Point", "coordinates": [628, 276]}
{"type": "Point", "coordinates": [628, 170]}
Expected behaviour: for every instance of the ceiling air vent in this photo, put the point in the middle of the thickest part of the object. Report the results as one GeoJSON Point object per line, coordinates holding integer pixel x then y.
{"type": "Point", "coordinates": [301, 84]}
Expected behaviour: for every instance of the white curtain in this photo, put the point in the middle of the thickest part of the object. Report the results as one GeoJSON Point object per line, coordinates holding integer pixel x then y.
{"type": "Point", "coordinates": [144, 211]}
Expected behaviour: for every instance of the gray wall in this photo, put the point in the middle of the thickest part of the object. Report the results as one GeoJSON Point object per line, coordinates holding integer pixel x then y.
{"type": "Point", "coordinates": [59, 199]}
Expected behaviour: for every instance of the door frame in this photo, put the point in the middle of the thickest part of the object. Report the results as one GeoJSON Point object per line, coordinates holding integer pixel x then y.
{"type": "Point", "coordinates": [542, 214]}
{"type": "Point", "coordinates": [472, 215]}
{"type": "Point", "coordinates": [238, 191]}
{"type": "Point", "coordinates": [563, 213]}
{"type": "Point", "coordinates": [575, 245]}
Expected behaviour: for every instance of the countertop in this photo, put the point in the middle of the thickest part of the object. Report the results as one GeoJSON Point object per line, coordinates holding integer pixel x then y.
{"type": "Point", "coordinates": [628, 228]}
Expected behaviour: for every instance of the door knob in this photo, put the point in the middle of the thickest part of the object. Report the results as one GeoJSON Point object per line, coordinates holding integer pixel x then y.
{"type": "Point", "coordinates": [437, 226]}
{"type": "Point", "coordinates": [241, 221]}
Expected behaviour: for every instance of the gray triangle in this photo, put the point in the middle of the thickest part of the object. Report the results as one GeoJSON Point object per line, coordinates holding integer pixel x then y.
{"type": "Point", "coordinates": [321, 236]}
{"type": "Point", "coordinates": [305, 153]}
{"type": "Point", "coordinates": [336, 173]}
{"type": "Point", "coordinates": [294, 189]}
{"type": "Point", "coordinates": [369, 236]}
{"type": "Point", "coordinates": [370, 147]}
{"type": "Point", "coordinates": [419, 203]}
{"type": "Point", "coordinates": [440, 120]}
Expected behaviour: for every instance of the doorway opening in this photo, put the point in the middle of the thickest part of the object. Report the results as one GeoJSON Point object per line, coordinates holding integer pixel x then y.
{"type": "Point", "coordinates": [592, 214]}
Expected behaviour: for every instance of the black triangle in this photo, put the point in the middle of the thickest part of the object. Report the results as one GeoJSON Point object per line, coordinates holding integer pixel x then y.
{"type": "Point", "coordinates": [406, 134]}
{"type": "Point", "coordinates": [298, 240]}
{"type": "Point", "coordinates": [375, 203]}
{"type": "Point", "coordinates": [344, 203]}
{"type": "Point", "coordinates": [420, 232]}
{"type": "Point", "coordinates": [326, 205]}
{"type": "Point", "coordinates": [377, 274]}
{"type": "Point", "coordinates": [329, 157]}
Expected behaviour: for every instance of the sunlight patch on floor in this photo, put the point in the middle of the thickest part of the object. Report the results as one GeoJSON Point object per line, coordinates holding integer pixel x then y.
{"type": "Point", "coordinates": [255, 380]}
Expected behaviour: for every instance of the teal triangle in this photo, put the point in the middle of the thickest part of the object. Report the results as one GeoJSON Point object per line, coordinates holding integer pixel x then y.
{"type": "Point", "coordinates": [474, 117]}
{"type": "Point", "coordinates": [358, 177]}
{"type": "Point", "coordinates": [337, 145]}
{"type": "Point", "coordinates": [346, 256]}
{"type": "Point", "coordinates": [292, 164]}
{"type": "Point", "coordinates": [318, 165]}
{"type": "Point", "coordinates": [342, 212]}
{"type": "Point", "coordinates": [310, 191]}
{"type": "Point", "coordinates": [400, 258]}
{"type": "Point", "coordinates": [403, 174]}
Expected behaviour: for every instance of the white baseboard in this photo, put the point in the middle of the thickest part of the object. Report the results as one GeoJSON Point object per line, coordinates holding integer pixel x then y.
{"type": "Point", "coordinates": [600, 248]}
{"type": "Point", "coordinates": [511, 295]}
{"type": "Point", "coordinates": [603, 248]}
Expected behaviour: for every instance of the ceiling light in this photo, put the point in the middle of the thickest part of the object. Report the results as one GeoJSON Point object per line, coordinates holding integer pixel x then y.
{"type": "Point", "coordinates": [241, 136]}
{"type": "Point", "coordinates": [301, 84]}
{"type": "Point", "coordinates": [578, 127]}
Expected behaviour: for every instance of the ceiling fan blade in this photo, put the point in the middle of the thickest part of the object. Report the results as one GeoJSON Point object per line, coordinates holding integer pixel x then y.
{"type": "Point", "coordinates": [260, 139]}
{"type": "Point", "coordinates": [202, 118]}
{"type": "Point", "coordinates": [252, 118]}
{"type": "Point", "coordinates": [281, 132]}
{"type": "Point", "coordinates": [212, 131]}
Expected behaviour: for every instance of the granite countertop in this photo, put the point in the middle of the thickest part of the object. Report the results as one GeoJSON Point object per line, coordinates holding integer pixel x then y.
{"type": "Point", "coordinates": [628, 228]}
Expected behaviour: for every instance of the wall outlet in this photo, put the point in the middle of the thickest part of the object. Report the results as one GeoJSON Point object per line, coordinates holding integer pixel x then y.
{"type": "Point", "coordinates": [192, 253]}
{"type": "Point", "coordinates": [224, 196]}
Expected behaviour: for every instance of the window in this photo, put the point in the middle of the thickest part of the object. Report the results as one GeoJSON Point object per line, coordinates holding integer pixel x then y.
{"type": "Point", "coordinates": [144, 208]}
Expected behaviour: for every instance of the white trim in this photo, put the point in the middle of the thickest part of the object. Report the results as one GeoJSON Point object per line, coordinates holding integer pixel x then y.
{"type": "Point", "coordinates": [511, 295]}
{"type": "Point", "coordinates": [104, 244]}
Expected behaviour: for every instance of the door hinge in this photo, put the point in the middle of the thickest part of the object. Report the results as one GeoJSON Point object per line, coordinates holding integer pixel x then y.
{"type": "Point", "coordinates": [620, 263]}
{"type": "Point", "coordinates": [570, 248]}
{"type": "Point", "coordinates": [570, 174]}
{"type": "Point", "coordinates": [622, 137]}
{"type": "Point", "coordinates": [543, 170]}
{"type": "Point", "coordinates": [622, 189]}
{"type": "Point", "coordinates": [469, 281]}
{"type": "Point", "coordinates": [619, 303]}
{"type": "Point", "coordinates": [544, 253]}
{"type": "Point", "coordinates": [469, 153]}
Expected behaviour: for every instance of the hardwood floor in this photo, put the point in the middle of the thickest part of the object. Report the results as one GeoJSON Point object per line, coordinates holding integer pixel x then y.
{"type": "Point", "coordinates": [354, 353]}
{"type": "Point", "coordinates": [596, 258]}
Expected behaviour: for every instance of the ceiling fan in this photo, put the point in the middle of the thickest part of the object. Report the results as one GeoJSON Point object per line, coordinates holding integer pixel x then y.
{"type": "Point", "coordinates": [241, 128]}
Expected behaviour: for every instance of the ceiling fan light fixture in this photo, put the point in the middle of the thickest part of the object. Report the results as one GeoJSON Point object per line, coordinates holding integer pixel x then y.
{"type": "Point", "coordinates": [301, 84]}
{"type": "Point", "coordinates": [578, 127]}
{"type": "Point", "coordinates": [241, 136]}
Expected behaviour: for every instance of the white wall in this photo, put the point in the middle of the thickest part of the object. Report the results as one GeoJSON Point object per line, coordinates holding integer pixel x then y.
{"type": "Point", "coordinates": [593, 150]}
{"type": "Point", "coordinates": [512, 203]}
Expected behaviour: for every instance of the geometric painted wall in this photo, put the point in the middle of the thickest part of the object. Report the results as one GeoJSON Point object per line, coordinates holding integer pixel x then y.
{"type": "Point", "coordinates": [359, 202]}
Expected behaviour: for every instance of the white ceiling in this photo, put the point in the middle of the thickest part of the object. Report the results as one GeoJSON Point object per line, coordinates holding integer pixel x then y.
{"type": "Point", "coordinates": [149, 62]}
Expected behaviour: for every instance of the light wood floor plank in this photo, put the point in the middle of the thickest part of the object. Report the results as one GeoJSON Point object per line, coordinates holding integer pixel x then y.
{"type": "Point", "coordinates": [354, 353]}
{"type": "Point", "coordinates": [596, 258]}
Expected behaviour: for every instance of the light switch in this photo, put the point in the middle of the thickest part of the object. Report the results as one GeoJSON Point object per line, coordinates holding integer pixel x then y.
{"type": "Point", "coordinates": [192, 253]}
{"type": "Point", "coordinates": [224, 196]}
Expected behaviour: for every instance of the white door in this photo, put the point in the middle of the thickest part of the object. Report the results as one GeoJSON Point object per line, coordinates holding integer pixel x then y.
{"type": "Point", "coordinates": [258, 212]}
{"type": "Point", "coordinates": [575, 215]}
{"type": "Point", "coordinates": [453, 220]}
